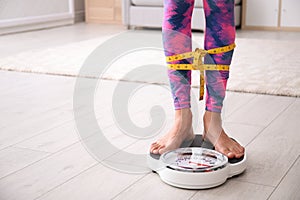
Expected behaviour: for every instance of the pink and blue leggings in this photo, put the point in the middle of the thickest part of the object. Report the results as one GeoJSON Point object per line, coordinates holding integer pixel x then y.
{"type": "Point", "coordinates": [219, 31]}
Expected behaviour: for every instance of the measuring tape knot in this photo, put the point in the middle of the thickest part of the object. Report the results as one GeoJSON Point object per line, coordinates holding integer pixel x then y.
{"type": "Point", "coordinates": [198, 56]}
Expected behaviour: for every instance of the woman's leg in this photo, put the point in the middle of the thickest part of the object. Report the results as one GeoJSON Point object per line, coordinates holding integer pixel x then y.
{"type": "Point", "coordinates": [220, 31]}
{"type": "Point", "coordinates": [176, 31]}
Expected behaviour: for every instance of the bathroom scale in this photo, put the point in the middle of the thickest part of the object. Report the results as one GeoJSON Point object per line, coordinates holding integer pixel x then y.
{"type": "Point", "coordinates": [195, 165]}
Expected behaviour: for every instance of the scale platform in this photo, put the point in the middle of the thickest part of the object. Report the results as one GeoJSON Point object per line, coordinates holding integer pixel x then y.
{"type": "Point", "coordinates": [195, 165]}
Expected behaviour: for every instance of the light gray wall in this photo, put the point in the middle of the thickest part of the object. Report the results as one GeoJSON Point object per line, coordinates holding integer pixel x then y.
{"type": "Point", "coordinates": [14, 9]}
{"type": "Point", "coordinates": [23, 15]}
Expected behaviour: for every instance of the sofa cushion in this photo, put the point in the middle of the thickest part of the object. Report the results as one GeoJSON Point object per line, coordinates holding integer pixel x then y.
{"type": "Point", "coordinates": [199, 3]}
{"type": "Point", "coordinates": [159, 3]}
{"type": "Point", "coordinates": [154, 3]}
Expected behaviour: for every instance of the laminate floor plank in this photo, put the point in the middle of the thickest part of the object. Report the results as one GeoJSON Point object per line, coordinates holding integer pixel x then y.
{"type": "Point", "coordinates": [45, 93]}
{"type": "Point", "coordinates": [52, 140]}
{"type": "Point", "coordinates": [33, 126]}
{"type": "Point", "coordinates": [261, 110]}
{"type": "Point", "coordinates": [289, 187]}
{"type": "Point", "coordinates": [42, 176]}
{"type": "Point", "coordinates": [235, 190]}
{"type": "Point", "coordinates": [98, 182]}
{"type": "Point", "coordinates": [273, 152]}
{"type": "Point", "coordinates": [151, 187]}
{"type": "Point", "coordinates": [234, 101]}
{"type": "Point", "coordinates": [13, 159]}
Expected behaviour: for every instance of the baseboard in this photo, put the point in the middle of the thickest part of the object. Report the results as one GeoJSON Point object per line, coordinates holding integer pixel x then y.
{"type": "Point", "coordinates": [36, 22]}
{"type": "Point", "coordinates": [79, 16]}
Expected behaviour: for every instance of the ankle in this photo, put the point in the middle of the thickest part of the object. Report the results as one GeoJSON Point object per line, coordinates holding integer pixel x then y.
{"type": "Point", "coordinates": [212, 123]}
{"type": "Point", "coordinates": [183, 120]}
{"type": "Point", "coordinates": [184, 114]}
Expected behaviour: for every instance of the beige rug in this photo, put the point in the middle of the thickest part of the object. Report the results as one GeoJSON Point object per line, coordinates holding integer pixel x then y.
{"type": "Point", "coordinates": [259, 66]}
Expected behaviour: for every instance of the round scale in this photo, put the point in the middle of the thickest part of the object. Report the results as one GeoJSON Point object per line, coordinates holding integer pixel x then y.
{"type": "Point", "coordinates": [197, 166]}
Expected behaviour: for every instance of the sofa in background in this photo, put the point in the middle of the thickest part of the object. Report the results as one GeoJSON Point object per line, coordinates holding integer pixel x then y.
{"type": "Point", "coordinates": [149, 13]}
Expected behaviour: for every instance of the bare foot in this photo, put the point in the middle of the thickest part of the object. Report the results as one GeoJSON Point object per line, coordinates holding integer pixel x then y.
{"type": "Point", "coordinates": [214, 132]}
{"type": "Point", "coordinates": [181, 131]}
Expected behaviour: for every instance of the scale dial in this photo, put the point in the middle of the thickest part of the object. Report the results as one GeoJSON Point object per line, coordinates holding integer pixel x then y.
{"type": "Point", "coordinates": [194, 159]}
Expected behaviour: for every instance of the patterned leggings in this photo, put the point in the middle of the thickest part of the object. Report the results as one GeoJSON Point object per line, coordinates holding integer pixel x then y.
{"type": "Point", "coordinates": [220, 31]}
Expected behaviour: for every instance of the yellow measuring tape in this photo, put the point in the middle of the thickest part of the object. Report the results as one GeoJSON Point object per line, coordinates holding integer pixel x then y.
{"type": "Point", "coordinates": [198, 55]}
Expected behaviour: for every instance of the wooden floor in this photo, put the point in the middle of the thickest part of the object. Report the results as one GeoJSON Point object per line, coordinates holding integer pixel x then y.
{"type": "Point", "coordinates": [43, 155]}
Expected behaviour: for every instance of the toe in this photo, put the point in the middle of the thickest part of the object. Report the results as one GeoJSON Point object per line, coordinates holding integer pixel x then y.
{"type": "Point", "coordinates": [155, 151]}
{"type": "Point", "coordinates": [153, 147]}
{"type": "Point", "coordinates": [158, 149]}
{"type": "Point", "coordinates": [239, 148]}
{"type": "Point", "coordinates": [228, 153]}
{"type": "Point", "coordinates": [154, 144]}
{"type": "Point", "coordinates": [239, 155]}
{"type": "Point", "coordinates": [236, 152]}
{"type": "Point", "coordinates": [240, 151]}
{"type": "Point", "coordinates": [162, 150]}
